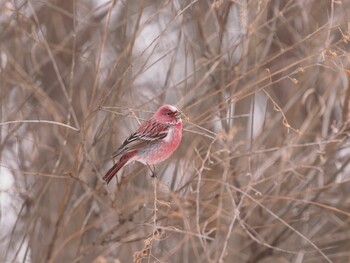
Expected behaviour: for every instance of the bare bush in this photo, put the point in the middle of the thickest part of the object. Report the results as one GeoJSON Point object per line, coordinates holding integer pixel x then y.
{"type": "Point", "coordinates": [262, 173]}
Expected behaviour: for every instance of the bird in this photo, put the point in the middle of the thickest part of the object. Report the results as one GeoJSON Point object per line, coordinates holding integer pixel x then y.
{"type": "Point", "coordinates": [153, 142]}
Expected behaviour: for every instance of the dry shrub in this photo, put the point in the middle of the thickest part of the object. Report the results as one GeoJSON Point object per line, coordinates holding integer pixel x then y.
{"type": "Point", "coordinates": [262, 174]}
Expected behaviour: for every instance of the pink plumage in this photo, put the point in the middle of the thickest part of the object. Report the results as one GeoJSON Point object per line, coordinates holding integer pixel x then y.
{"type": "Point", "coordinates": [153, 142]}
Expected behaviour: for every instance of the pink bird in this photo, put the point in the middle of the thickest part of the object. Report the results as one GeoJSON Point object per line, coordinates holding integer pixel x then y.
{"type": "Point", "coordinates": [153, 142]}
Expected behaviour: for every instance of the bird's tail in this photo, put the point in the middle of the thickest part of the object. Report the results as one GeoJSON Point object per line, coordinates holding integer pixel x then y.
{"type": "Point", "coordinates": [116, 167]}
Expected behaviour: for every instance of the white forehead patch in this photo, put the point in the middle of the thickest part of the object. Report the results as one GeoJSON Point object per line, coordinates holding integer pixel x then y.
{"type": "Point", "coordinates": [173, 108]}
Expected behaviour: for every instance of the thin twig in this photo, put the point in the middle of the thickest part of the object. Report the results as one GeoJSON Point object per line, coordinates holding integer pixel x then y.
{"type": "Point", "coordinates": [41, 121]}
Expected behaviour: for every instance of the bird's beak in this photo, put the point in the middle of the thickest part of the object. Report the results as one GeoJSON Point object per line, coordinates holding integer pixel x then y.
{"type": "Point", "coordinates": [180, 114]}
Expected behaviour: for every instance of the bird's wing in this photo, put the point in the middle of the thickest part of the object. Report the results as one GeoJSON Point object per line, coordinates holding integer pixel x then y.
{"type": "Point", "coordinates": [148, 132]}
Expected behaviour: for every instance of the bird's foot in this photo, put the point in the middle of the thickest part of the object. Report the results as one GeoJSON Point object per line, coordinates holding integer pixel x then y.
{"type": "Point", "coordinates": [153, 171]}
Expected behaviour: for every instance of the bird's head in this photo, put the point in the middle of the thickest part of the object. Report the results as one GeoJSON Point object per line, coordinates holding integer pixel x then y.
{"type": "Point", "coordinates": [168, 114]}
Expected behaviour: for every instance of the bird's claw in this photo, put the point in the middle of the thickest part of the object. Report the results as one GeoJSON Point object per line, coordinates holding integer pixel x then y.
{"type": "Point", "coordinates": [153, 171]}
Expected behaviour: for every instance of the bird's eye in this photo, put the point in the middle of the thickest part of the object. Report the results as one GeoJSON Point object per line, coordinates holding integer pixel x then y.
{"type": "Point", "coordinates": [169, 113]}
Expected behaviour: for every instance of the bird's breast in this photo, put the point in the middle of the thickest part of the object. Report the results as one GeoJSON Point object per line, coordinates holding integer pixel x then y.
{"type": "Point", "coordinates": [164, 148]}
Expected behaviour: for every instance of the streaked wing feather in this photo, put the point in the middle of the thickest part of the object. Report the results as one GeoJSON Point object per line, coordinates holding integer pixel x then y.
{"type": "Point", "coordinates": [148, 131]}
